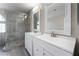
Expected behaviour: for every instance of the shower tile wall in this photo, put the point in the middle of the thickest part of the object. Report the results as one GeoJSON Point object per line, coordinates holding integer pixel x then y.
{"type": "Point", "coordinates": [15, 29]}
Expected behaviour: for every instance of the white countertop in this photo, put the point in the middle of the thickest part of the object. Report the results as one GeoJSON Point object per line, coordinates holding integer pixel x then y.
{"type": "Point", "coordinates": [63, 43]}
{"type": "Point", "coordinates": [33, 34]}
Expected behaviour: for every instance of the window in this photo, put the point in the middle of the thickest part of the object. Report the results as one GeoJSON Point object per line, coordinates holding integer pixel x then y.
{"type": "Point", "coordinates": [2, 24]}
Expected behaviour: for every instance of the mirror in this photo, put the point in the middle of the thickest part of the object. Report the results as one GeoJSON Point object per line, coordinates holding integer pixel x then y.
{"type": "Point", "coordinates": [36, 22]}
{"type": "Point", "coordinates": [58, 18]}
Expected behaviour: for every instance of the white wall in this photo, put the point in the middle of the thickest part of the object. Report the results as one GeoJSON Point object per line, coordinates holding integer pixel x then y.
{"type": "Point", "coordinates": [43, 18]}
{"type": "Point", "coordinates": [74, 28]}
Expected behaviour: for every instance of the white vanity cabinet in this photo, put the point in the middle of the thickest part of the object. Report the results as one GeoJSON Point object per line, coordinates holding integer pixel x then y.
{"type": "Point", "coordinates": [38, 49]}
{"type": "Point", "coordinates": [47, 49]}
{"type": "Point", "coordinates": [42, 46]}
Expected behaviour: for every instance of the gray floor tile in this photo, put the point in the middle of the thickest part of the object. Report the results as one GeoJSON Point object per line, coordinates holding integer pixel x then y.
{"type": "Point", "coordinates": [17, 51]}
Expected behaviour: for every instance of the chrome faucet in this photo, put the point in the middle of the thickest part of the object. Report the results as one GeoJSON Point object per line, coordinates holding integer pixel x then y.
{"type": "Point", "coordinates": [53, 34]}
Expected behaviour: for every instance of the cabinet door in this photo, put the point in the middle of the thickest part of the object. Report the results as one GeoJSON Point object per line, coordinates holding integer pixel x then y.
{"type": "Point", "coordinates": [37, 49]}
{"type": "Point", "coordinates": [28, 44]}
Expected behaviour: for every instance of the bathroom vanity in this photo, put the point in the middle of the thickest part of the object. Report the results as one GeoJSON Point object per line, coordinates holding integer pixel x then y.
{"type": "Point", "coordinates": [48, 18]}
{"type": "Point", "coordinates": [45, 45]}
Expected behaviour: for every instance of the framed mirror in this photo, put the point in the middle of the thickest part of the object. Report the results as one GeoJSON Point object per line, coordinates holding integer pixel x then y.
{"type": "Point", "coordinates": [36, 21]}
{"type": "Point", "coordinates": [58, 18]}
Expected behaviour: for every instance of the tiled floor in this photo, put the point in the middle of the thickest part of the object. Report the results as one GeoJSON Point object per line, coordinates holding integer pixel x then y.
{"type": "Point", "coordinates": [18, 51]}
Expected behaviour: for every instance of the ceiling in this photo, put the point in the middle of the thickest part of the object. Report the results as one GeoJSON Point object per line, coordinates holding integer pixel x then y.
{"type": "Point", "coordinates": [22, 7]}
